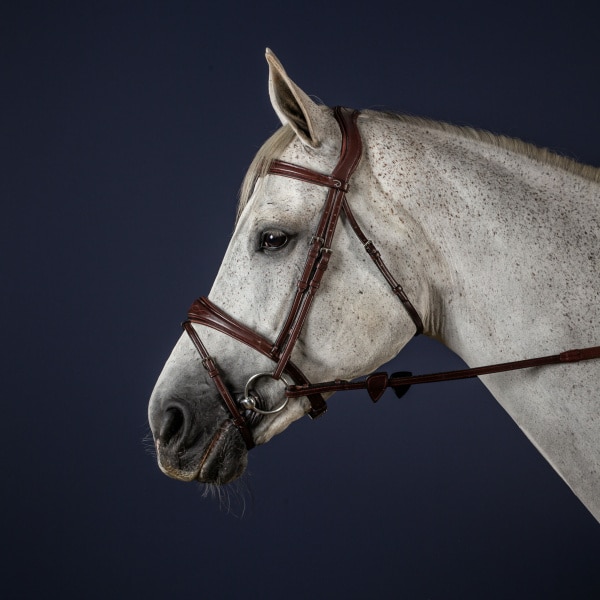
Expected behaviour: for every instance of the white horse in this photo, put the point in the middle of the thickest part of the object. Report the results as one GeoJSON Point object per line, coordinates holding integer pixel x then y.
{"type": "Point", "coordinates": [496, 244]}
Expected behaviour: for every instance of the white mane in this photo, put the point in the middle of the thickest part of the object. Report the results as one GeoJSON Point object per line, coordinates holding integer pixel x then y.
{"type": "Point", "coordinates": [284, 136]}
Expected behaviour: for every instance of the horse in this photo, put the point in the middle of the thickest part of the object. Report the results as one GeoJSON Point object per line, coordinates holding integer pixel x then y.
{"type": "Point", "coordinates": [495, 243]}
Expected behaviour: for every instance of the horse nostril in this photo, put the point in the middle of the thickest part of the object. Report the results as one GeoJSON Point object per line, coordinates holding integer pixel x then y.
{"type": "Point", "coordinates": [171, 425]}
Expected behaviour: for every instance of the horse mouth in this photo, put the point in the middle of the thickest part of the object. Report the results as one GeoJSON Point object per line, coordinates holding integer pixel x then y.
{"type": "Point", "coordinates": [220, 461]}
{"type": "Point", "coordinates": [225, 457]}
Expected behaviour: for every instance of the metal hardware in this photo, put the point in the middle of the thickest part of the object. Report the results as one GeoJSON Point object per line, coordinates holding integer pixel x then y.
{"type": "Point", "coordinates": [248, 402]}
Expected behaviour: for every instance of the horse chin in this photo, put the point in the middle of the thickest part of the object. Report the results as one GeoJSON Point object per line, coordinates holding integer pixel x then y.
{"type": "Point", "coordinates": [221, 461]}
{"type": "Point", "coordinates": [270, 427]}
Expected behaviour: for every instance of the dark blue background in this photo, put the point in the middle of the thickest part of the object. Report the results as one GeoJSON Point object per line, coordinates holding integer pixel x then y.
{"type": "Point", "coordinates": [126, 130]}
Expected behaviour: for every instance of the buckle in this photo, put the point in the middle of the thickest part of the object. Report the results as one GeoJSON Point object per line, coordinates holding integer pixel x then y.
{"type": "Point", "coordinates": [208, 363]}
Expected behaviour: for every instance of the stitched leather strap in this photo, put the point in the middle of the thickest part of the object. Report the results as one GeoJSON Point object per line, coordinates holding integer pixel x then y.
{"type": "Point", "coordinates": [211, 367]}
{"type": "Point", "coordinates": [320, 248]}
{"type": "Point", "coordinates": [377, 383]}
{"type": "Point", "coordinates": [376, 257]}
{"type": "Point", "coordinates": [279, 167]}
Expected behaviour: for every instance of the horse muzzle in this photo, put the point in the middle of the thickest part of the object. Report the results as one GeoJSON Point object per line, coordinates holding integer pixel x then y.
{"type": "Point", "coordinates": [192, 447]}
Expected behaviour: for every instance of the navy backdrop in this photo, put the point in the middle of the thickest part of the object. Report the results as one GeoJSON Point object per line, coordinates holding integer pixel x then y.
{"type": "Point", "coordinates": [126, 130]}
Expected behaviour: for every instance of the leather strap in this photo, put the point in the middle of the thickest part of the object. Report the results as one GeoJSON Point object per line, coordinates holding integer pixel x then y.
{"type": "Point", "coordinates": [377, 383]}
{"type": "Point", "coordinates": [320, 248]}
{"type": "Point", "coordinates": [279, 167]}
{"type": "Point", "coordinates": [375, 255]}
{"type": "Point", "coordinates": [211, 367]}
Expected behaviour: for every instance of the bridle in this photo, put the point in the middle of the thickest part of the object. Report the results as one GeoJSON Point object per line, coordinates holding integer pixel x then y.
{"type": "Point", "coordinates": [204, 312]}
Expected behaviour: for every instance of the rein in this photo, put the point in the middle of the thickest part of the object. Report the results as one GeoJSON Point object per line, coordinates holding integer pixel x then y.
{"type": "Point", "coordinates": [204, 312]}
{"type": "Point", "coordinates": [377, 383]}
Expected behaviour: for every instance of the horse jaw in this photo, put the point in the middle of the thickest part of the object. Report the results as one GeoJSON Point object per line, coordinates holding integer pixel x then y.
{"type": "Point", "coordinates": [272, 426]}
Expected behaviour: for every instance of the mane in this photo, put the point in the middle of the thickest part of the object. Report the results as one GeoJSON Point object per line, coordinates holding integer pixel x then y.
{"type": "Point", "coordinates": [284, 136]}
{"type": "Point", "coordinates": [542, 155]}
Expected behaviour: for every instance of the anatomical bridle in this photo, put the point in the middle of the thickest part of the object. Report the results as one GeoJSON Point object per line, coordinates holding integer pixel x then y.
{"type": "Point", "coordinates": [204, 312]}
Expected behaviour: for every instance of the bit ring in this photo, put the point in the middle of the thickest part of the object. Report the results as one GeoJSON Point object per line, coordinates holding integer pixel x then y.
{"type": "Point", "coordinates": [249, 402]}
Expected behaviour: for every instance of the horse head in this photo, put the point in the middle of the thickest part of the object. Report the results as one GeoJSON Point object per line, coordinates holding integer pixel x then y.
{"type": "Point", "coordinates": [353, 325]}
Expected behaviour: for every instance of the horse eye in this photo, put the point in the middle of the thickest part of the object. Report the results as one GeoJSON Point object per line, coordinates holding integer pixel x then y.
{"type": "Point", "coordinates": [273, 239]}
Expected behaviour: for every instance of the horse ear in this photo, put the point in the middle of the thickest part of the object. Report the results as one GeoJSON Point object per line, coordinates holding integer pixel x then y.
{"type": "Point", "coordinates": [292, 105]}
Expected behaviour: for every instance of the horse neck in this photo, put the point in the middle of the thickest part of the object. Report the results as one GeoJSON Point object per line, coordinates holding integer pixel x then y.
{"type": "Point", "coordinates": [517, 239]}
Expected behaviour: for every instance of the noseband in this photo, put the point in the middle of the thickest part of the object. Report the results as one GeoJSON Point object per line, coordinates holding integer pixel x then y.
{"type": "Point", "coordinates": [204, 312]}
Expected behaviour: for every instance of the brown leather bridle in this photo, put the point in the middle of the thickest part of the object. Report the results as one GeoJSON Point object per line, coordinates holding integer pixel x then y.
{"type": "Point", "coordinates": [204, 312]}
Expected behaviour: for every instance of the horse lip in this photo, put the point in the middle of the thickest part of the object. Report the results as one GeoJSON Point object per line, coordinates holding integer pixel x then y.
{"type": "Point", "coordinates": [175, 473]}
{"type": "Point", "coordinates": [226, 471]}
{"type": "Point", "coordinates": [206, 468]}
{"type": "Point", "coordinates": [211, 447]}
